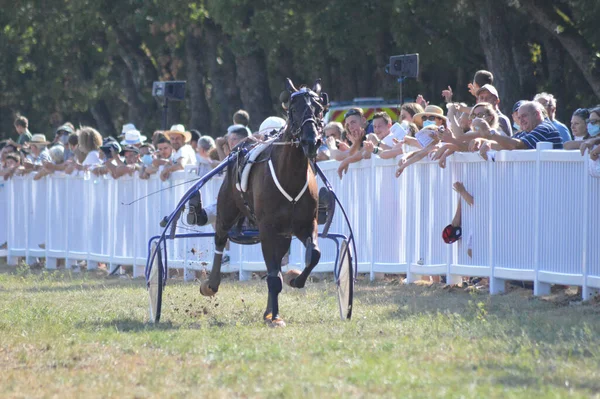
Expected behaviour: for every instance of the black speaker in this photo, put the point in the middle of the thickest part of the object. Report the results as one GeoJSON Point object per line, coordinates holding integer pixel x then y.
{"type": "Point", "coordinates": [406, 66]}
{"type": "Point", "coordinates": [174, 90]}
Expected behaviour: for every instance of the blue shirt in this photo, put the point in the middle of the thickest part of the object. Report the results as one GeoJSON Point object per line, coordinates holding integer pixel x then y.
{"type": "Point", "coordinates": [545, 131]}
{"type": "Point", "coordinates": [562, 130]}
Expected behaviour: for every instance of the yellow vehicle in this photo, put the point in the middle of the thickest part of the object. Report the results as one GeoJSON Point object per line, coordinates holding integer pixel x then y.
{"type": "Point", "coordinates": [370, 106]}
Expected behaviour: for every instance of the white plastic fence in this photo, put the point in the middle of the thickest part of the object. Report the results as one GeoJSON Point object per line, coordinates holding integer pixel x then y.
{"type": "Point", "coordinates": [535, 218]}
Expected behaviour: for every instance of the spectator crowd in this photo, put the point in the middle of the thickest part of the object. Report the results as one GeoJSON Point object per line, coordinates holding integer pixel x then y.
{"type": "Point", "coordinates": [423, 130]}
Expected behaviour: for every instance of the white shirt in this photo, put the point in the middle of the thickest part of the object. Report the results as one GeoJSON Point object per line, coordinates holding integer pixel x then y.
{"type": "Point", "coordinates": [187, 153]}
{"type": "Point", "coordinates": [44, 156]}
{"type": "Point", "coordinates": [92, 159]}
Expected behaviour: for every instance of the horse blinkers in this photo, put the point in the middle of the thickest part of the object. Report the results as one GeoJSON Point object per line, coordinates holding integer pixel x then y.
{"type": "Point", "coordinates": [307, 124]}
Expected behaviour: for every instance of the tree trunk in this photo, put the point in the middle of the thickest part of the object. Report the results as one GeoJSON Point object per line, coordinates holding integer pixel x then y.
{"type": "Point", "coordinates": [220, 63]}
{"type": "Point", "coordinates": [574, 43]}
{"type": "Point", "coordinates": [137, 111]}
{"type": "Point", "coordinates": [137, 74]}
{"type": "Point", "coordinates": [200, 117]}
{"type": "Point", "coordinates": [101, 115]}
{"type": "Point", "coordinates": [495, 34]}
{"type": "Point", "coordinates": [555, 64]}
{"type": "Point", "coordinates": [252, 79]}
{"type": "Point", "coordinates": [525, 70]}
{"type": "Point", "coordinates": [347, 84]}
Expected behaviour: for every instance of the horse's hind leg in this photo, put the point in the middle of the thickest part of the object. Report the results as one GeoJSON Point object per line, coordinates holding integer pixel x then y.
{"type": "Point", "coordinates": [309, 237]}
{"type": "Point", "coordinates": [211, 286]}
{"type": "Point", "coordinates": [227, 215]}
{"type": "Point", "coordinates": [274, 247]}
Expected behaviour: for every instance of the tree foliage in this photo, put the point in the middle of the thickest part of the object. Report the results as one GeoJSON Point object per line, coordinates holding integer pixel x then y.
{"type": "Point", "coordinates": [94, 62]}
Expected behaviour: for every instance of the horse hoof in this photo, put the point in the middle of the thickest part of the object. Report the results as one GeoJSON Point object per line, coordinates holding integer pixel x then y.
{"type": "Point", "coordinates": [267, 318]}
{"type": "Point", "coordinates": [277, 323]}
{"type": "Point", "coordinates": [205, 289]}
{"type": "Point", "coordinates": [290, 275]}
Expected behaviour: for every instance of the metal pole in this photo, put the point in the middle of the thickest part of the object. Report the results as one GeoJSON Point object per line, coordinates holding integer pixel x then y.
{"type": "Point", "coordinates": [165, 114]}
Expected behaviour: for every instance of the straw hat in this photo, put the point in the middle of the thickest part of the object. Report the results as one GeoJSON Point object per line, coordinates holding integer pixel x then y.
{"type": "Point", "coordinates": [38, 139]}
{"type": "Point", "coordinates": [178, 129]}
{"type": "Point", "coordinates": [429, 111]}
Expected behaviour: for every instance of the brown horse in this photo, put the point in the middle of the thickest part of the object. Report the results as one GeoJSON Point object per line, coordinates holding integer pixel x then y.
{"type": "Point", "coordinates": [281, 199]}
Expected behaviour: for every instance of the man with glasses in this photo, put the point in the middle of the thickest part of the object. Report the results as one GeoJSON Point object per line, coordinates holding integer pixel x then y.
{"type": "Point", "coordinates": [549, 103]}
{"type": "Point", "coordinates": [535, 128]}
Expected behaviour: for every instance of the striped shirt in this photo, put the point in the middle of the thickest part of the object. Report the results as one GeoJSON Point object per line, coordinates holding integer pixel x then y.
{"type": "Point", "coordinates": [545, 131]}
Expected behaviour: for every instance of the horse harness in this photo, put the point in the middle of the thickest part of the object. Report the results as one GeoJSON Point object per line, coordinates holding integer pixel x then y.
{"type": "Point", "coordinates": [245, 159]}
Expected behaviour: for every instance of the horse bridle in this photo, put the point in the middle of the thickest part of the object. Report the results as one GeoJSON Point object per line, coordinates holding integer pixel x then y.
{"type": "Point", "coordinates": [308, 95]}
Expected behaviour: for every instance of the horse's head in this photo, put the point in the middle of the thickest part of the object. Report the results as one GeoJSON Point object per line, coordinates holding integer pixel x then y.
{"type": "Point", "coordinates": [306, 108]}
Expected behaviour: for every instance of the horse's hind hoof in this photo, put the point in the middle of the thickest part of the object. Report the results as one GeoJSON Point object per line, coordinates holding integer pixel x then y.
{"type": "Point", "coordinates": [277, 323]}
{"type": "Point", "coordinates": [205, 289]}
{"type": "Point", "coordinates": [290, 276]}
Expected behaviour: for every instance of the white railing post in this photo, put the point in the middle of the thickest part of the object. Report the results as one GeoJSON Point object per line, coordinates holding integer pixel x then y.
{"type": "Point", "coordinates": [4, 210]}
{"type": "Point", "coordinates": [539, 288]}
{"type": "Point", "coordinates": [27, 206]}
{"type": "Point", "coordinates": [452, 201]}
{"type": "Point", "coordinates": [91, 265]}
{"type": "Point", "coordinates": [189, 274]}
{"type": "Point", "coordinates": [497, 285]}
{"type": "Point", "coordinates": [11, 259]}
{"type": "Point", "coordinates": [50, 261]}
{"type": "Point", "coordinates": [411, 256]}
{"type": "Point", "coordinates": [134, 235]}
{"type": "Point", "coordinates": [374, 203]}
{"type": "Point", "coordinates": [587, 291]}
{"type": "Point", "coordinates": [112, 201]}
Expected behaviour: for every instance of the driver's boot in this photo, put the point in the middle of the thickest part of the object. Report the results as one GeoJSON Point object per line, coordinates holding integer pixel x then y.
{"type": "Point", "coordinates": [323, 205]}
{"type": "Point", "coordinates": [196, 214]}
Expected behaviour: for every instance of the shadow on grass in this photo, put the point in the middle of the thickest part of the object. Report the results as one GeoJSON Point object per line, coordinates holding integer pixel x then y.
{"type": "Point", "coordinates": [514, 312]}
{"type": "Point", "coordinates": [515, 376]}
{"type": "Point", "coordinates": [130, 325]}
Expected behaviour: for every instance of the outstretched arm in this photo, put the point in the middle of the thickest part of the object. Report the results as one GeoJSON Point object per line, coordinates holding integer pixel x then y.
{"type": "Point", "coordinates": [343, 168]}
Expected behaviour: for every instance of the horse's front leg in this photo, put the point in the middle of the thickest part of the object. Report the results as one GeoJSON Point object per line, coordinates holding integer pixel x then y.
{"type": "Point", "coordinates": [309, 236]}
{"type": "Point", "coordinates": [274, 247]}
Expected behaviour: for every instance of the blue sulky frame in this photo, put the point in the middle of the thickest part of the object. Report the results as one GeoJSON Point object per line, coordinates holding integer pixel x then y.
{"type": "Point", "coordinates": [161, 240]}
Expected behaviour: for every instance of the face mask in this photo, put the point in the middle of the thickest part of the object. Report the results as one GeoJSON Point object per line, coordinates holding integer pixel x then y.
{"type": "Point", "coordinates": [593, 130]}
{"type": "Point", "coordinates": [147, 159]}
{"type": "Point", "coordinates": [516, 126]}
{"type": "Point", "coordinates": [428, 123]}
{"type": "Point", "coordinates": [64, 139]}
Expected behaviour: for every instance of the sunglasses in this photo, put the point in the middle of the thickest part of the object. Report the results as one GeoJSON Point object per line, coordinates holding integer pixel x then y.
{"type": "Point", "coordinates": [352, 112]}
{"type": "Point", "coordinates": [431, 118]}
{"type": "Point", "coordinates": [480, 115]}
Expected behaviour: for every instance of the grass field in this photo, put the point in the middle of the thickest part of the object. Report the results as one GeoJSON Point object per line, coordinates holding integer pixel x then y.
{"type": "Point", "coordinates": [86, 335]}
